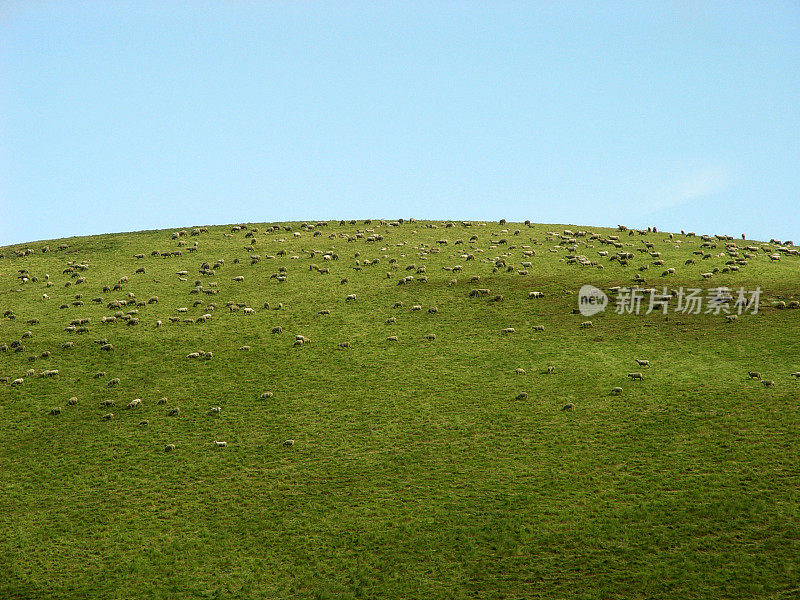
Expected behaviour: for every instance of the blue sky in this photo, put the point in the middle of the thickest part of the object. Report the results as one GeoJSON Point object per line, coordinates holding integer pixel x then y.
{"type": "Point", "coordinates": [121, 116]}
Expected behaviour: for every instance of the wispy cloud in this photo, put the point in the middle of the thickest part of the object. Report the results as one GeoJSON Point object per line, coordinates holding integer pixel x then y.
{"type": "Point", "coordinates": [694, 185]}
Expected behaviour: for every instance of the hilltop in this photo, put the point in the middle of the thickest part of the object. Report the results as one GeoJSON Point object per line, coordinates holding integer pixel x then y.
{"type": "Point", "coordinates": [411, 409]}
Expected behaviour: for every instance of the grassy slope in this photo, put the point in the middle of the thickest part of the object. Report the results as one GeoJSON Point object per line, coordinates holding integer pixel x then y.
{"type": "Point", "coordinates": [415, 473]}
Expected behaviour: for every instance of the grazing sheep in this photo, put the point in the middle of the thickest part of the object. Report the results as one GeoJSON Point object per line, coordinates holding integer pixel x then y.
{"type": "Point", "coordinates": [538, 328]}
{"type": "Point", "coordinates": [216, 409]}
{"type": "Point", "coordinates": [568, 406]}
{"type": "Point", "coordinates": [107, 347]}
{"type": "Point", "coordinates": [391, 320]}
{"type": "Point", "coordinates": [245, 348]}
{"type": "Point", "coordinates": [55, 411]}
{"type": "Point", "coordinates": [416, 307]}
{"type": "Point", "coordinates": [344, 345]}
{"type": "Point", "coordinates": [586, 324]}
{"type": "Point", "coordinates": [768, 383]}
{"type": "Point", "coordinates": [107, 402]}
{"type": "Point", "coordinates": [67, 344]}
{"type": "Point", "coordinates": [135, 402]}
{"type": "Point", "coordinates": [113, 382]}
{"type": "Point", "coordinates": [107, 416]}
{"type": "Point", "coordinates": [754, 375]}
{"type": "Point", "coordinates": [158, 323]}
{"type": "Point", "coordinates": [277, 329]}
{"type": "Point", "coordinates": [430, 336]}
{"type": "Point", "coordinates": [398, 305]}
{"type": "Point", "coordinates": [249, 311]}
{"type": "Point", "coordinates": [635, 376]}
{"type": "Point", "coordinates": [267, 395]}
{"type": "Point", "coordinates": [169, 447]}
{"type": "Point", "coordinates": [288, 443]}
{"type": "Point", "coordinates": [550, 370]}
{"type": "Point", "coordinates": [433, 310]}
{"type": "Point", "coordinates": [616, 391]}
{"type": "Point", "coordinates": [519, 371]}
{"type": "Point", "coordinates": [509, 330]}
{"type": "Point", "coordinates": [642, 363]}
{"type": "Point", "coordinates": [144, 423]}
{"type": "Point", "coordinates": [497, 298]}
{"type": "Point", "coordinates": [391, 338]}
{"type": "Point", "coordinates": [535, 295]}
{"type": "Point", "coordinates": [350, 297]}
{"type": "Point", "coordinates": [221, 444]}
{"type": "Point", "coordinates": [522, 396]}
{"type": "Point", "coordinates": [193, 355]}
{"type": "Point", "coordinates": [72, 401]}
{"type": "Point", "coordinates": [174, 412]}
{"type": "Point", "coordinates": [17, 381]}
{"type": "Point", "coordinates": [162, 401]}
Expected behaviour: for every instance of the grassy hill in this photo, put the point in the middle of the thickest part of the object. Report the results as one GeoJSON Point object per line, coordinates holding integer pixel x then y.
{"type": "Point", "coordinates": [416, 470]}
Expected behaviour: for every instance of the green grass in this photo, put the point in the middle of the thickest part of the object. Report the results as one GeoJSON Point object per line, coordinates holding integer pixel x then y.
{"type": "Point", "coordinates": [415, 473]}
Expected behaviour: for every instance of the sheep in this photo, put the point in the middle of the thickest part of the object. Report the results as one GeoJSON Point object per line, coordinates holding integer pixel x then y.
{"type": "Point", "coordinates": [496, 298]}
{"type": "Point", "coordinates": [538, 328]}
{"type": "Point", "coordinates": [616, 391]}
{"type": "Point", "coordinates": [107, 402]}
{"type": "Point", "coordinates": [245, 348]}
{"type": "Point", "coordinates": [174, 412]}
{"type": "Point", "coordinates": [249, 311]}
{"type": "Point", "coordinates": [416, 307]}
{"type": "Point", "coordinates": [754, 375]}
{"type": "Point", "coordinates": [391, 338]}
{"type": "Point", "coordinates": [430, 336]}
{"type": "Point", "coordinates": [277, 329]}
{"type": "Point", "coordinates": [398, 304]}
{"type": "Point", "coordinates": [215, 409]}
{"type": "Point", "coordinates": [288, 443]}
{"type": "Point", "coordinates": [519, 371]}
{"type": "Point", "coordinates": [768, 383]}
{"type": "Point", "coordinates": [107, 347]}
{"type": "Point", "coordinates": [144, 423]}
{"type": "Point", "coordinates": [344, 345]}
{"type": "Point", "coordinates": [17, 382]}
{"type": "Point", "coordinates": [267, 395]}
{"type": "Point", "coordinates": [107, 416]}
{"type": "Point", "coordinates": [391, 320]}
{"type": "Point", "coordinates": [161, 401]}
{"type": "Point", "coordinates": [522, 396]}
{"type": "Point", "coordinates": [55, 411]}
{"type": "Point", "coordinates": [796, 375]}
{"type": "Point", "coordinates": [193, 355]}
{"type": "Point", "coordinates": [169, 448]}
{"type": "Point", "coordinates": [568, 406]}
{"type": "Point", "coordinates": [535, 295]}
{"type": "Point", "coordinates": [72, 401]}
{"type": "Point", "coordinates": [324, 311]}
{"type": "Point", "coordinates": [509, 330]}
{"type": "Point", "coordinates": [642, 362]}
{"type": "Point", "coordinates": [586, 324]}
{"type": "Point", "coordinates": [158, 323]}
{"type": "Point", "coordinates": [433, 310]}
{"type": "Point", "coordinates": [550, 370]}
{"type": "Point", "coordinates": [113, 382]}
{"type": "Point", "coordinates": [221, 444]}
{"type": "Point", "coordinates": [350, 297]}
{"type": "Point", "coordinates": [635, 376]}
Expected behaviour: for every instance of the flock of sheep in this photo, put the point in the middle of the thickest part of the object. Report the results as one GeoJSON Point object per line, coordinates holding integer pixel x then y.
{"type": "Point", "coordinates": [495, 252]}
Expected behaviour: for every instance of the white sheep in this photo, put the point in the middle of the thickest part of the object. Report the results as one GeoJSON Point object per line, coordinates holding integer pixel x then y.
{"type": "Point", "coordinates": [754, 375]}
{"type": "Point", "coordinates": [519, 371]}
{"type": "Point", "coordinates": [108, 416]}
{"type": "Point", "coordinates": [144, 423]}
{"type": "Point", "coordinates": [350, 297]}
{"type": "Point", "coordinates": [796, 375]}
{"type": "Point", "coordinates": [616, 391]}
{"type": "Point", "coordinates": [391, 338]}
{"type": "Point", "coordinates": [169, 447]}
{"type": "Point", "coordinates": [221, 444]}
{"type": "Point", "coordinates": [586, 324]}
{"type": "Point", "coordinates": [216, 409]}
{"type": "Point", "coordinates": [635, 376]}
{"type": "Point", "coordinates": [642, 362]}
{"type": "Point", "coordinates": [768, 383]}
{"type": "Point", "coordinates": [538, 328]}
{"type": "Point", "coordinates": [522, 396]}
{"type": "Point", "coordinates": [18, 381]}
{"type": "Point", "coordinates": [509, 330]}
